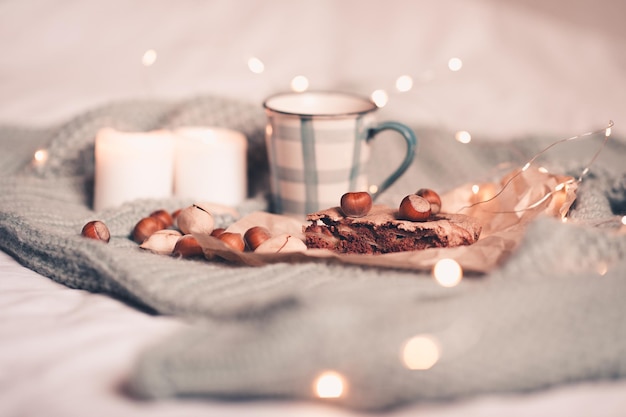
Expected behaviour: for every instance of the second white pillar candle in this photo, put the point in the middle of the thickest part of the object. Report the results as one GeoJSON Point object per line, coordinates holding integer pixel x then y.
{"type": "Point", "coordinates": [211, 165]}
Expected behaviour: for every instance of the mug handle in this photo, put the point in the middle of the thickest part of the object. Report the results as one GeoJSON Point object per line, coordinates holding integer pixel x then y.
{"type": "Point", "coordinates": [411, 147]}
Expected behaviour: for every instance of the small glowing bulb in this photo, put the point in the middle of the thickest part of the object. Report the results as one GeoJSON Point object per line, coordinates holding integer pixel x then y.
{"type": "Point", "coordinates": [256, 65]}
{"type": "Point", "coordinates": [463, 136]}
{"type": "Point", "coordinates": [299, 83]}
{"type": "Point", "coordinates": [41, 156]}
{"type": "Point", "coordinates": [404, 83]}
{"type": "Point", "coordinates": [455, 64]}
{"type": "Point", "coordinates": [380, 98]}
{"type": "Point", "coordinates": [373, 189]}
{"type": "Point", "coordinates": [475, 188]}
{"type": "Point", "coordinates": [447, 272]}
{"type": "Point", "coordinates": [420, 352]}
{"type": "Point", "coordinates": [624, 220]}
{"type": "Point", "coordinates": [329, 384]}
{"type": "Point", "coordinates": [149, 58]}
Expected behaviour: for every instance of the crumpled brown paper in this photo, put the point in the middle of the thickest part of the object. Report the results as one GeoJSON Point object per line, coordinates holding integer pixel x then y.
{"type": "Point", "coordinates": [504, 209]}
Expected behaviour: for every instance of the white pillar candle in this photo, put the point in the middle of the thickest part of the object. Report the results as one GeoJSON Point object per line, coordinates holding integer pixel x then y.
{"type": "Point", "coordinates": [211, 165]}
{"type": "Point", "coordinates": [132, 165]}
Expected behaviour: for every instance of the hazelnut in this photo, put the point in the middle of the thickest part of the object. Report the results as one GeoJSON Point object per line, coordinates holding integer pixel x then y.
{"type": "Point", "coordinates": [218, 231]}
{"type": "Point", "coordinates": [233, 241]}
{"type": "Point", "coordinates": [356, 204]}
{"type": "Point", "coordinates": [161, 241]}
{"type": "Point", "coordinates": [96, 230]}
{"type": "Point", "coordinates": [195, 219]}
{"type": "Point", "coordinates": [145, 227]}
{"type": "Point", "coordinates": [187, 246]}
{"type": "Point", "coordinates": [164, 216]}
{"type": "Point", "coordinates": [283, 243]}
{"type": "Point", "coordinates": [256, 235]}
{"type": "Point", "coordinates": [432, 197]}
{"type": "Point", "coordinates": [414, 208]}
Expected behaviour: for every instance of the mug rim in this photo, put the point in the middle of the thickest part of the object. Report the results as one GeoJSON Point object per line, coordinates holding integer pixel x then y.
{"type": "Point", "coordinates": [370, 105]}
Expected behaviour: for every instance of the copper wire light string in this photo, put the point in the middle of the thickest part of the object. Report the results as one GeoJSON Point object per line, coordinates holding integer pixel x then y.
{"type": "Point", "coordinates": [560, 186]}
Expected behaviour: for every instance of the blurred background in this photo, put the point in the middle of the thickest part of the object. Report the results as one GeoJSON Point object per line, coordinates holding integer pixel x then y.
{"type": "Point", "coordinates": [495, 69]}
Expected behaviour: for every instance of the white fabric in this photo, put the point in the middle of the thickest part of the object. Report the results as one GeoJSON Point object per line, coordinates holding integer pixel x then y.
{"type": "Point", "coordinates": [529, 66]}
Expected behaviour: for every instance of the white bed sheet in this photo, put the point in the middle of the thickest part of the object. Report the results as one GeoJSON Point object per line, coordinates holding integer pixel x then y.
{"type": "Point", "coordinates": [529, 68]}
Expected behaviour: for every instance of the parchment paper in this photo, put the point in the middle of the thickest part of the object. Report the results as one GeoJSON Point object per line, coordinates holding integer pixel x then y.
{"type": "Point", "coordinates": [503, 208]}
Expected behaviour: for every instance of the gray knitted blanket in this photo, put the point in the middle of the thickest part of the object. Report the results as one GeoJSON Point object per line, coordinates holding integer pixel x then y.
{"type": "Point", "coordinates": [552, 314]}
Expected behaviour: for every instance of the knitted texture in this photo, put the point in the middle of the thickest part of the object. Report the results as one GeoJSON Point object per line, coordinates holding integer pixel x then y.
{"type": "Point", "coordinates": [552, 314]}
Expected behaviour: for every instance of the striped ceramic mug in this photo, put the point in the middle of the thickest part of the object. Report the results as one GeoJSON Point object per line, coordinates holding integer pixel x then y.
{"type": "Point", "coordinates": [317, 144]}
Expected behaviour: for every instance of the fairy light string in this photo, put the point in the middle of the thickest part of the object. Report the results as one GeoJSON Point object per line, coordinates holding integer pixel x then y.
{"type": "Point", "coordinates": [559, 187]}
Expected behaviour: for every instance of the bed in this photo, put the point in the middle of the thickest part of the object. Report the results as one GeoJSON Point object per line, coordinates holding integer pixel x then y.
{"type": "Point", "coordinates": [87, 329]}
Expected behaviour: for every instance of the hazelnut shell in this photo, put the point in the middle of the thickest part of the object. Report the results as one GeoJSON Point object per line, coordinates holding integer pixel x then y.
{"type": "Point", "coordinates": [233, 241]}
{"type": "Point", "coordinates": [187, 246]}
{"type": "Point", "coordinates": [255, 236]}
{"type": "Point", "coordinates": [195, 220]}
{"type": "Point", "coordinates": [414, 208]}
{"type": "Point", "coordinates": [96, 230]}
{"type": "Point", "coordinates": [432, 197]}
{"type": "Point", "coordinates": [356, 203]}
{"type": "Point", "coordinates": [146, 227]}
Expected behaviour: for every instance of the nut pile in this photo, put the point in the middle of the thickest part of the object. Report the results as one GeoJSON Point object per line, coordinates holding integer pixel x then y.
{"type": "Point", "coordinates": [417, 207]}
{"type": "Point", "coordinates": [174, 234]}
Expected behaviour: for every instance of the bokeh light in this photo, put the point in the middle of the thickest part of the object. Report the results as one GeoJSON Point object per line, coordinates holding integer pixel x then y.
{"type": "Point", "coordinates": [463, 136]}
{"type": "Point", "coordinates": [149, 58]}
{"type": "Point", "coordinates": [447, 272]}
{"type": "Point", "coordinates": [256, 65]}
{"type": "Point", "coordinates": [380, 98]}
{"type": "Point", "coordinates": [455, 64]}
{"type": "Point", "coordinates": [41, 156]}
{"type": "Point", "coordinates": [404, 83]}
{"type": "Point", "coordinates": [299, 83]}
{"type": "Point", "coordinates": [420, 352]}
{"type": "Point", "coordinates": [329, 384]}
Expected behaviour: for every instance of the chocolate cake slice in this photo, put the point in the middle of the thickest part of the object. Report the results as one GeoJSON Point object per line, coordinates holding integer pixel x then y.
{"type": "Point", "coordinates": [380, 231]}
